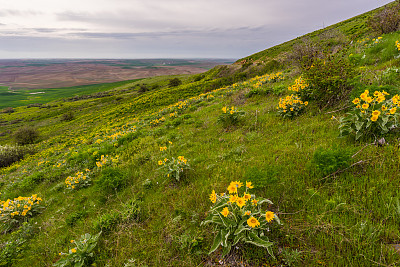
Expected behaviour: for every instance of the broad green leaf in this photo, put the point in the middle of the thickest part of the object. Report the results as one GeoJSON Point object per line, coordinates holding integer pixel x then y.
{"type": "Point", "coordinates": [358, 135]}
{"type": "Point", "coordinates": [359, 125]}
{"type": "Point", "coordinates": [225, 238]}
{"type": "Point", "coordinates": [238, 238]}
{"type": "Point", "coordinates": [223, 234]}
{"type": "Point", "coordinates": [226, 250]}
{"type": "Point", "coordinates": [241, 227]}
{"type": "Point", "coordinates": [254, 239]}
{"type": "Point", "coordinates": [216, 243]}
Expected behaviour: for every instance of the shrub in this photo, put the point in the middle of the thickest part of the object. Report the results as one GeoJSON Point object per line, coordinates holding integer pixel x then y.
{"type": "Point", "coordinates": [239, 218]}
{"type": "Point", "coordinates": [69, 116]}
{"type": "Point", "coordinates": [329, 79]}
{"type": "Point", "coordinates": [11, 154]}
{"type": "Point", "coordinates": [111, 179]}
{"type": "Point", "coordinates": [82, 254]}
{"type": "Point", "coordinates": [371, 116]}
{"type": "Point", "coordinates": [386, 20]}
{"type": "Point", "coordinates": [175, 82]}
{"type": "Point", "coordinates": [143, 88]}
{"type": "Point", "coordinates": [8, 110]}
{"type": "Point", "coordinates": [328, 161]}
{"type": "Point", "coordinates": [107, 222]}
{"type": "Point", "coordinates": [26, 135]}
{"type": "Point", "coordinates": [304, 52]}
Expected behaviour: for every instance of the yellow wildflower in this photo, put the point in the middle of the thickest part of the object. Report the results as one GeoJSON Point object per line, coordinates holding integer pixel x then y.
{"type": "Point", "coordinates": [249, 185]}
{"type": "Point", "coordinates": [225, 212]}
{"type": "Point", "coordinates": [240, 201]}
{"type": "Point", "coordinates": [269, 216]}
{"type": "Point", "coordinates": [253, 222]}
{"type": "Point", "coordinates": [213, 197]}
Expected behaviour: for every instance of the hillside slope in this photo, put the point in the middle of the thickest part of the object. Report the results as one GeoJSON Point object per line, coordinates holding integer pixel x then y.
{"type": "Point", "coordinates": [136, 168]}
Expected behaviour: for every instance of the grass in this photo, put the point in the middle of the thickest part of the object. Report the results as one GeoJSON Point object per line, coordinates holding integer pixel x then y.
{"type": "Point", "coordinates": [43, 96]}
{"type": "Point", "coordinates": [347, 219]}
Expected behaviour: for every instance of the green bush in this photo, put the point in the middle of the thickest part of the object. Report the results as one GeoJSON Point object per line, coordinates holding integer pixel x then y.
{"type": "Point", "coordinates": [107, 222]}
{"type": "Point", "coordinates": [111, 180]}
{"type": "Point", "coordinates": [26, 135]}
{"type": "Point", "coordinates": [329, 79]}
{"type": "Point", "coordinates": [328, 161]}
{"type": "Point", "coordinates": [68, 116]}
{"type": "Point", "coordinates": [8, 110]}
{"type": "Point", "coordinates": [175, 82]}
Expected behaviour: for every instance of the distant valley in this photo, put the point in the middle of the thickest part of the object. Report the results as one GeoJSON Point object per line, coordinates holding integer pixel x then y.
{"type": "Point", "coordinates": [55, 73]}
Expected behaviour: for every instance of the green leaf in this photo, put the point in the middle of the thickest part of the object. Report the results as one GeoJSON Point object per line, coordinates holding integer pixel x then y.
{"type": "Point", "coordinates": [265, 200]}
{"type": "Point", "coordinates": [238, 238]}
{"type": "Point", "coordinates": [216, 243]}
{"type": "Point", "coordinates": [225, 238]}
{"type": "Point", "coordinates": [358, 135]}
{"type": "Point", "coordinates": [359, 125]}
{"type": "Point", "coordinates": [226, 250]}
{"type": "Point", "coordinates": [255, 240]}
{"type": "Point", "coordinates": [240, 228]}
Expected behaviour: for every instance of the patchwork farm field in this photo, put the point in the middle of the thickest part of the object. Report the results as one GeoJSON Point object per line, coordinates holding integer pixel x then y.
{"type": "Point", "coordinates": [24, 82]}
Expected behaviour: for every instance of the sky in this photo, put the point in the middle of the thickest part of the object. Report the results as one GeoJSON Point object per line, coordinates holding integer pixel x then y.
{"type": "Point", "coordinates": [162, 28]}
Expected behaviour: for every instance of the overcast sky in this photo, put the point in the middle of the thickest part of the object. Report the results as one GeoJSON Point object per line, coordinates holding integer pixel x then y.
{"type": "Point", "coordinates": [162, 28]}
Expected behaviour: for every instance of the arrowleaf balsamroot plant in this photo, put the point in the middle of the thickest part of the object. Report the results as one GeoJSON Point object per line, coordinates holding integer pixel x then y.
{"type": "Point", "coordinates": [13, 212]}
{"type": "Point", "coordinates": [238, 217]}
{"type": "Point", "coordinates": [372, 115]}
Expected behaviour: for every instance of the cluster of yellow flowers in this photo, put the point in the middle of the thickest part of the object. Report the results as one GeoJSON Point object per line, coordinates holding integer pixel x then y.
{"type": "Point", "coordinates": [377, 40]}
{"type": "Point", "coordinates": [157, 121]}
{"type": "Point", "coordinates": [173, 114]}
{"type": "Point", "coordinates": [80, 180]}
{"type": "Point", "coordinates": [20, 206]}
{"type": "Point", "coordinates": [230, 110]}
{"type": "Point", "coordinates": [375, 105]}
{"type": "Point", "coordinates": [363, 40]}
{"type": "Point", "coordinates": [107, 159]}
{"type": "Point", "coordinates": [243, 202]}
{"type": "Point", "coordinates": [181, 159]}
{"type": "Point", "coordinates": [299, 84]}
{"type": "Point", "coordinates": [291, 103]}
{"type": "Point", "coordinates": [398, 45]}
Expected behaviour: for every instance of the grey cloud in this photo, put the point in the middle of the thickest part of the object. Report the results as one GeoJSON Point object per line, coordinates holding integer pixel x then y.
{"type": "Point", "coordinates": [18, 13]}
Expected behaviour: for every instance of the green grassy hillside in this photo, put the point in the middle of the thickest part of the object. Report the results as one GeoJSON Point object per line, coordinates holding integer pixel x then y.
{"type": "Point", "coordinates": [137, 165]}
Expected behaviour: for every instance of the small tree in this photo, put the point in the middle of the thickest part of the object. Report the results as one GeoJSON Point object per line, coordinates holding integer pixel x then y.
{"type": "Point", "coordinates": [175, 82]}
{"type": "Point", "coordinates": [26, 135]}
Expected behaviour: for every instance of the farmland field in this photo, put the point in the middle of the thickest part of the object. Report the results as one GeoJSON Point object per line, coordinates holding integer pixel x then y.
{"type": "Point", "coordinates": [24, 82]}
